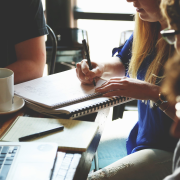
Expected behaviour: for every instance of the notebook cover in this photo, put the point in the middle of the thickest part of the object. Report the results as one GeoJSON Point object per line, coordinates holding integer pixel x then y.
{"type": "Point", "coordinates": [76, 136]}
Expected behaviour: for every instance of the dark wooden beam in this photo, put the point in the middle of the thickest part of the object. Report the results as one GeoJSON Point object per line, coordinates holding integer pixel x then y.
{"type": "Point", "coordinates": [80, 14]}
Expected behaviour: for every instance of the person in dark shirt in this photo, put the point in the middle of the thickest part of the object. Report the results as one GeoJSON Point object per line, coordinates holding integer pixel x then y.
{"type": "Point", "coordinates": [22, 41]}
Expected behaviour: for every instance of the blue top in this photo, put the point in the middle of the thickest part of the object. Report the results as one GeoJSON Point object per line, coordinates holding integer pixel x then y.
{"type": "Point", "coordinates": [153, 127]}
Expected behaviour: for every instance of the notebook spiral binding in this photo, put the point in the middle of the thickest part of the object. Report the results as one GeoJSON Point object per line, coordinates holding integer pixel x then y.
{"type": "Point", "coordinates": [94, 108]}
{"type": "Point", "coordinates": [77, 100]}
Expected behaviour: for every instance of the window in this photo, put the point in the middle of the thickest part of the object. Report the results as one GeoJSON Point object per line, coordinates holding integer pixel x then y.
{"type": "Point", "coordinates": [104, 35]}
{"type": "Point", "coordinates": [108, 6]}
{"type": "Point", "coordinates": [43, 3]}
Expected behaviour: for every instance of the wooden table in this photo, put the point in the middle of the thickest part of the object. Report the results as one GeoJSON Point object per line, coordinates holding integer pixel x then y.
{"type": "Point", "coordinates": [87, 157]}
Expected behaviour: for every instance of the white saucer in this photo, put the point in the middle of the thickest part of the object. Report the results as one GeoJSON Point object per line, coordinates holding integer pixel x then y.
{"type": "Point", "coordinates": [18, 104]}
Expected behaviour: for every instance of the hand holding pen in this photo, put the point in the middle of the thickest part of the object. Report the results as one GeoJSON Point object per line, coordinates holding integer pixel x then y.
{"type": "Point", "coordinates": [86, 49]}
{"type": "Point", "coordinates": [87, 76]}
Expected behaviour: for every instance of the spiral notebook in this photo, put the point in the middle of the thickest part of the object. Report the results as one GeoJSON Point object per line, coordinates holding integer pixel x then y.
{"type": "Point", "coordinates": [63, 94]}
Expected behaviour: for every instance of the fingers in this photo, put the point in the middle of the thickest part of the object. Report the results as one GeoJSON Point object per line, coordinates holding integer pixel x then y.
{"type": "Point", "coordinates": [84, 66]}
{"type": "Point", "coordinates": [116, 86]}
{"type": "Point", "coordinates": [83, 72]}
{"type": "Point", "coordinates": [90, 74]}
{"type": "Point", "coordinates": [119, 78]}
{"type": "Point", "coordinates": [115, 80]}
{"type": "Point", "coordinates": [127, 87]}
{"type": "Point", "coordinates": [85, 75]}
{"type": "Point", "coordinates": [112, 84]}
{"type": "Point", "coordinates": [110, 87]}
{"type": "Point", "coordinates": [117, 92]}
{"type": "Point", "coordinates": [81, 76]}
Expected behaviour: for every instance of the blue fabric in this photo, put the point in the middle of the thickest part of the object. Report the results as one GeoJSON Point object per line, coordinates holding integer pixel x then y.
{"type": "Point", "coordinates": [153, 126]}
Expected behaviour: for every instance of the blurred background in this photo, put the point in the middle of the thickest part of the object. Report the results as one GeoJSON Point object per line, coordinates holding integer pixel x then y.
{"type": "Point", "coordinates": [105, 24]}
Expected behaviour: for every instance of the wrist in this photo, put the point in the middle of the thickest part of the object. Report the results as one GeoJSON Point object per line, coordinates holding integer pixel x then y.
{"type": "Point", "coordinates": [154, 93]}
{"type": "Point", "coordinates": [161, 100]}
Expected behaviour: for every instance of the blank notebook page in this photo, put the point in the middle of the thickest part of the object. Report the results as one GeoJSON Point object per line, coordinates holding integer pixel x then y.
{"type": "Point", "coordinates": [55, 89]}
{"type": "Point", "coordinates": [76, 135]}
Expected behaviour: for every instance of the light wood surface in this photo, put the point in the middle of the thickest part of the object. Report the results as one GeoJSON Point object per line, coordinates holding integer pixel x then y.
{"type": "Point", "coordinates": [87, 156]}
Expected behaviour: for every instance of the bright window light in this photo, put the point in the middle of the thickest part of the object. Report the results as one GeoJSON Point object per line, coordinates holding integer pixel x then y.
{"type": "Point", "coordinates": [104, 35]}
{"type": "Point", "coordinates": [43, 3]}
{"type": "Point", "coordinates": [120, 6]}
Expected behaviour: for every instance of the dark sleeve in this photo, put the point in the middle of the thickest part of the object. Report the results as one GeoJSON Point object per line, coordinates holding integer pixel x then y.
{"type": "Point", "coordinates": [124, 52]}
{"type": "Point", "coordinates": [176, 164]}
{"type": "Point", "coordinates": [27, 20]}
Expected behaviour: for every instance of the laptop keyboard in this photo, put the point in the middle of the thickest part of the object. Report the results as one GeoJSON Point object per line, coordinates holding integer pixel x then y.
{"type": "Point", "coordinates": [65, 166]}
{"type": "Point", "coordinates": [7, 154]}
{"type": "Point", "coordinates": [64, 169]}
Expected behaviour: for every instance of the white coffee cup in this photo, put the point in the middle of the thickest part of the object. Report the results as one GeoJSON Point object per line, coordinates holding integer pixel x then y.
{"type": "Point", "coordinates": [6, 89]}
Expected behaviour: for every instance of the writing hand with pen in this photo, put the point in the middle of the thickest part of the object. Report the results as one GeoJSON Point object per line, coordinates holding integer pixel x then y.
{"type": "Point", "coordinates": [85, 75]}
{"type": "Point", "coordinates": [87, 72]}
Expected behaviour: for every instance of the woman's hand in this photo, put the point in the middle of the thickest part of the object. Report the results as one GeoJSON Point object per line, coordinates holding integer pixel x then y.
{"type": "Point", "coordinates": [85, 75]}
{"type": "Point", "coordinates": [129, 87]}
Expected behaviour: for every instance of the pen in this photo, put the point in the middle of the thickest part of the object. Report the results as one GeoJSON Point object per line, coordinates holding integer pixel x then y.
{"type": "Point", "coordinates": [88, 57]}
{"type": "Point", "coordinates": [29, 137]}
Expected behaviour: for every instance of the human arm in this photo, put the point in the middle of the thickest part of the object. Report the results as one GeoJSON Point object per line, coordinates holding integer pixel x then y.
{"type": "Point", "coordinates": [25, 51]}
{"type": "Point", "coordinates": [134, 88]}
{"type": "Point", "coordinates": [113, 66]}
{"type": "Point", "coordinates": [31, 58]}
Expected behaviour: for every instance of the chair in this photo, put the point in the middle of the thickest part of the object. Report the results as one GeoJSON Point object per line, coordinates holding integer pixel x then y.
{"type": "Point", "coordinates": [69, 47]}
{"type": "Point", "coordinates": [51, 67]}
{"type": "Point", "coordinates": [124, 36]}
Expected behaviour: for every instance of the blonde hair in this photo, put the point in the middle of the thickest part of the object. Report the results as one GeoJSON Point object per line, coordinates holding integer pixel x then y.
{"type": "Point", "coordinates": [171, 10]}
{"type": "Point", "coordinates": [144, 40]}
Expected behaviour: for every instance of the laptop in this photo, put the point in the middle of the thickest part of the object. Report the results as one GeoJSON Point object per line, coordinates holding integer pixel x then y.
{"type": "Point", "coordinates": [37, 161]}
